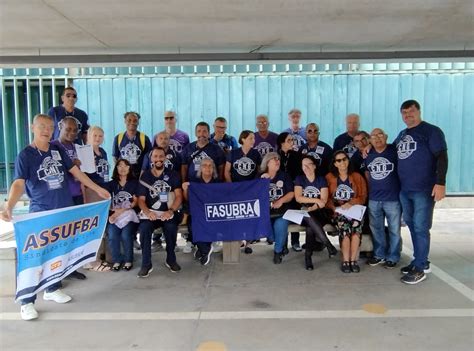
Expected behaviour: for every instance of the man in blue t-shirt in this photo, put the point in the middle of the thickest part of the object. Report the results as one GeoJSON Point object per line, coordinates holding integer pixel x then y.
{"type": "Point", "coordinates": [384, 189]}
{"type": "Point", "coordinates": [42, 170]}
{"type": "Point", "coordinates": [422, 167]}
{"type": "Point", "coordinates": [321, 151]}
{"type": "Point", "coordinates": [344, 141]}
{"type": "Point", "coordinates": [226, 142]}
{"type": "Point", "coordinates": [198, 150]}
{"type": "Point", "coordinates": [298, 133]}
{"type": "Point", "coordinates": [69, 99]}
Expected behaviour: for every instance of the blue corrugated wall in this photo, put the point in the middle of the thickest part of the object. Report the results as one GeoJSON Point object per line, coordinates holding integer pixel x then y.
{"type": "Point", "coordinates": [447, 100]}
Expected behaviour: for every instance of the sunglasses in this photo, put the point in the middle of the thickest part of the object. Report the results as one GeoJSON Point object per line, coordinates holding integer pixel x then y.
{"type": "Point", "coordinates": [71, 95]}
{"type": "Point", "coordinates": [169, 118]}
{"type": "Point", "coordinates": [339, 160]}
{"type": "Point", "coordinates": [313, 131]}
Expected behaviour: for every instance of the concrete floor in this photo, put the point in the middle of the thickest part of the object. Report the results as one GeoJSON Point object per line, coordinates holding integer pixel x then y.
{"type": "Point", "coordinates": [257, 305]}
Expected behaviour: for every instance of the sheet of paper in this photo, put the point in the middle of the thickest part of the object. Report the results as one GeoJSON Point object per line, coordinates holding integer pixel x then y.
{"type": "Point", "coordinates": [295, 216]}
{"type": "Point", "coordinates": [355, 212]}
{"type": "Point", "coordinates": [85, 154]}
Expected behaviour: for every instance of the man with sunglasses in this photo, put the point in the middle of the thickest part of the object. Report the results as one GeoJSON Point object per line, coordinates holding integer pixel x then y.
{"type": "Point", "coordinates": [344, 141]}
{"type": "Point", "coordinates": [321, 151]}
{"type": "Point", "coordinates": [67, 108]}
{"type": "Point", "coordinates": [178, 138]}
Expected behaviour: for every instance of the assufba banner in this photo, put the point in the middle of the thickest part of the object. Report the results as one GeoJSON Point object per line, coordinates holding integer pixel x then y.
{"type": "Point", "coordinates": [53, 244]}
{"type": "Point", "coordinates": [230, 211]}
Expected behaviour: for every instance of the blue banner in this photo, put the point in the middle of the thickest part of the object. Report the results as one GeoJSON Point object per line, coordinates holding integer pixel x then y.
{"type": "Point", "coordinates": [230, 211]}
{"type": "Point", "coordinates": [53, 244]}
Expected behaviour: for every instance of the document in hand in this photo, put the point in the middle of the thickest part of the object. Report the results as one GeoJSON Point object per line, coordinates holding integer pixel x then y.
{"type": "Point", "coordinates": [355, 212]}
{"type": "Point", "coordinates": [295, 216]}
{"type": "Point", "coordinates": [85, 154]}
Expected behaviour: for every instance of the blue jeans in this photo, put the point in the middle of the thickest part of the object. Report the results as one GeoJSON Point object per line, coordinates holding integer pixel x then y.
{"type": "Point", "coordinates": [49, 289]}
{"type": "Point", "coordinates": [170, 230]}
{"type": "Point", "coordinates": [122, 236]}
{"type": "Point", "coordinates": [378, 211]}
{"type": "Point", "coordinates": [280, 232]}
{"type": "Point", "coordinates": [418, 209]}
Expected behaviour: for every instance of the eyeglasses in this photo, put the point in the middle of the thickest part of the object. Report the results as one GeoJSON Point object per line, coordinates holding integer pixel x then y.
{"type": "Point", "coordinates": [169, 118]}
{"type": "Point", "coordinates": [339, 160]}
{"type": "Point", "coordinates": [359, 141]}
{"type": "Point", "coordinates": [377, 136]}
{"type": "Point", "coordinates": [219, 127]}
{"type": "Point", "coordinates": [71, 95]}
{"type": "Point", "coordinates": [312, 131]}
{"type": "Point", "coordinates": [262, 123]}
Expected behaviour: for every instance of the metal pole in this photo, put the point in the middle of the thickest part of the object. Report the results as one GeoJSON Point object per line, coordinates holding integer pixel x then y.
{"type": "Point", "coordinates": [18, 127]}
{"type": "Point", "coordinates": [28, 107]}
{"type": "Point", "coordinates": [6, 128]}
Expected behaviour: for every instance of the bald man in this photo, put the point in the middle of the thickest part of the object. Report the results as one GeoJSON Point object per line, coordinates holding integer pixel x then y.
{"type": "Point", "coordinates": [345, 140]}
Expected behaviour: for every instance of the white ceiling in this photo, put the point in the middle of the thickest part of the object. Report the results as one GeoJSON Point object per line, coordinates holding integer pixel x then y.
{"type": "Point", "coordinates": [36, 28]}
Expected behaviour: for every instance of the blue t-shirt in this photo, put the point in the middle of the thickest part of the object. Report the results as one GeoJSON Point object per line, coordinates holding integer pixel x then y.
{"type": "Point", "coordinates": [383, 177]}
{"type": "Point", "coordinates": [345, 143]}
{"type": "Point", "coordinates": [172, 162]}
{"type": "Point", "coordinates": [158, 189]}
{"type": "Point", "coordinates": [122, 196]}
{"type": "Point", "coordinates": [299, 137]}
{"type": "Point", "coordinates": [322, 153]}
{"type": "Point", "coordinates": [46, 177]}
{"type": "Point", "coordinates": [70, 149]}
{"type": "Point", "coordinates": [343, 193]}
{"type": "Point", "coordinates": [59, 112]}
{"type": "Point", "coordinates": [357, 161]}
{"type": "Point", "coordinates": [131, 150]}
{"type": "Point", "coordinates": [193, 155]}
{"type": "Point", "coordinates": [243, 167]}
{"type": "Point", "coordinates": [101, 174]}
{"type": "Point", "coordinates": [280, 185]}
{"type": "Point", "coordinates": [227, 143]}
{"type": "Point", "coordinates": [265, 145]}
{"type": "Point", "coordinates": [311, 190]}
{"type": "Point", "coordinates": [416, 148]}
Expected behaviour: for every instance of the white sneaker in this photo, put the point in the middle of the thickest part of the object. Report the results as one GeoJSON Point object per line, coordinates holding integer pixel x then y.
{"type": "Point", "coordinates": [28, 312]}
{"type": "Point", "coordinates": [217, 246]}
{"type": "Point", "coordinates": [57, 296]}
{"type": "Point", "coordinates": [188, 248]}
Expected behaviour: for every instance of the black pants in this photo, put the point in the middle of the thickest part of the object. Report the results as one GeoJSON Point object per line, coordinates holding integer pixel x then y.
{"type": "Point", "coordinates": [315, 234]}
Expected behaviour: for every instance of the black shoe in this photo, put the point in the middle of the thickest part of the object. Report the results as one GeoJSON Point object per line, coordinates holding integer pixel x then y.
{"type": "Point", "coordinates": [346, 267]}
{"type": "Point", "coordinates": [332, 251]}
{"type": "Point", "coordinates": [270, 242]}
{"type": "Point", "coordinates": [355, 267]}
{"type": "Point", "coordinates": [144, 272]}
{"type": "Point", "coordinates": [296, 247]}
{"type": "Point", "coordinates": [413, 277]}
{"type": "Point", "coordinates": [205, 259]}
{"type": "Point", "coordinates": [248, 250]}
{"type": "Point", "coordinates": [390, 264]}
{"type": "Point", "coordinates": [277, 258]}
{"type": "Point", "coordinates": [374, 261]}
{"type": "Point", "coordinates": [410, 267]}
{"type": "Point", "coordinates": [77, 275]}
{"type": "Point", "coordinates": [303, 246]}
{"type": "Point", "coordinates": [197, 254]}
{"type": "Point", "coordinates": [285, 251]}
{"type": "Point", "coordinates": [308, 262]}
{"type": "Point", "coordinates": [173, 267]}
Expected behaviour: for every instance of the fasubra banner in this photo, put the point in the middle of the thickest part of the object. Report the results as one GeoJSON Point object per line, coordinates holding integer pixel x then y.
{"type": "Point", "coordinates": [230, 211]}
{"type": "Point", "coordinates": [53, 244]}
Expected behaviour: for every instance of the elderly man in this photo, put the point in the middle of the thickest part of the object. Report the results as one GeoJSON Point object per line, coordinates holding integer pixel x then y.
{"type": "Point", "coordinates": [178, 138]}
{"type": "Point", "coordinates": [384, 189]}
{"type": "Point", "coordinates": [68, 108]}
{"type": "Point", "coordinates": [219, 137]}
{"type": "Point", "coordinates": [361, 141]}
{"type": "Point", "coordinates": [298, 133]}
{"type": "Point", "coordinates": [345, 140]}
{"type": "Point", "coordinates": [422, 167]}
{"type": "Point", "coordinates": [265, 141]}
{"type": "Point", "coordinates": [321, 151]}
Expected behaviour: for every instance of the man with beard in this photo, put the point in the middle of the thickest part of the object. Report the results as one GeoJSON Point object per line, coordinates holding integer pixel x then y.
{"type": "Point", "coordinates": [159, 198]}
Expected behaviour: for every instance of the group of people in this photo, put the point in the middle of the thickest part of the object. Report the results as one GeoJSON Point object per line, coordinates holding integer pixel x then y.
{"type": "Point", "coordinates": [150, 181]}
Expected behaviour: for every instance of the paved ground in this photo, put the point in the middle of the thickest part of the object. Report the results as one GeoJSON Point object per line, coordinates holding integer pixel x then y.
{"type": "Point", "coordinates": [257, 305]}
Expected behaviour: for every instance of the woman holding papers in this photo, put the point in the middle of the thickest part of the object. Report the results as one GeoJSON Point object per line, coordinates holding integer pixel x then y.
{"type": "Point", "coordinates": [346, 188]}
{"type": "Point", "coordinates": [281, 194]}
{"type": "Point", "coordinates": [123, 218]}
{"type": "Point", "coordinates": [312, 192]}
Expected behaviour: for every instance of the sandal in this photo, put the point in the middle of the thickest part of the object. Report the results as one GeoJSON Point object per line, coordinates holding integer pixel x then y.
{"type": "Point", "coordinates": [355, 267]}
{"type": "Point", "coordinates": [128, 266]}
{"type": "Point", "coordinates": [116, 267]}
{"type": "Point", "coordinates": [102, 267]}
{"type": "Point", "coordinates": [346, 267]}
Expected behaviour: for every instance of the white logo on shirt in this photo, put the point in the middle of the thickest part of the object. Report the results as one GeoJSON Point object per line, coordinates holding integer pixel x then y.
{"type": "Point", "coordinates": [122, 199]}
{"type": "Point", "coordinates": [275, 191]}
{"type": "Point", "coordinates": [350, 149]}
{"type": "Point", "coordinates": [131, 153]}
{"type": "Point", "coordinates": [343, 192]}
{"type": "Point", "coordinates": [405, 147]}
{"type": "Point", "coordinates": [175, 146]}
{"type": "Point", "coordinates": [264, 148]}
{"type": "Point", "coordinates": [102, 169]}
{"type": "Point", "coordinates": [51, 173]}
{"type": "Point", "coordinates": [244, 166]}
{"type": "Point", "coordinates": [380, 168]}
{"type": "Point", "coordinates": [311, 192]}
{"type": "Point", "coordinates": [159, 187]}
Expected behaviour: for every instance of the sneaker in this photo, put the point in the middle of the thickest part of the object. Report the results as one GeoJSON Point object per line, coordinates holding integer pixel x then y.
{"type": "Point", "coordinates": [197, 254]}
{"type": "Point", "coordinates": [296, 247]}
{"type": "Point", "coordinates": [156, 246]}
{"type": "Point", "coordinates": [28, 312]}
{"type": "Point", "coordinates": [57, 296]}
{"type": "Point", "coordinates": [285, 250]}
{"type": "Point", "coordinates": [390, 264]}
{"type": "Point", "coordinates": [374, 261]}
{"type": "Point", "coordinates": [217, 246]}
{"type": "Point", "coordinates": [144, 272]}
{"type": "Point", "coordinates": [173, 267]}
{"type": "Point", "coordinates": [136, 245]}
{"type": "Point", "coordinates": [270, 242]}
{"type": "Point", "coordinates": [188, 248]}
{"type": "Point", "coordinates": [248, 250]}
{"type": "Point", "coordinates": [277, 258]}
{"type": "Point", "coordinates": [409, 268]}
{"type": "Point", "coordinates": [77, 275]}
{"type": "Point", "coordinates": [205, 259]}
{"type": "Point", "coordinates": [413, 277]}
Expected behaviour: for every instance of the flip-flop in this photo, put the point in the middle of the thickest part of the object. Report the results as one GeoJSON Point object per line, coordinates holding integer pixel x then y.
{"type": "Point", "coordinates": [128, 266]}
{"type": "Point", "coordinates": [103, 267]}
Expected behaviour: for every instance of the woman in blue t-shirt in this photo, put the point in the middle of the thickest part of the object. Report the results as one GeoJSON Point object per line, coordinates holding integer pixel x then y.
{"type": "Point", "coordinates": [123, 218]}
{"type": "Point", "coordinates": [95, 137]}
{"type": "Point", "coordinates": [312, 192]}
{"type": "Point", "coordinates": [242, 163]}
{"type": "Point", "coordinates": [281, 194]}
